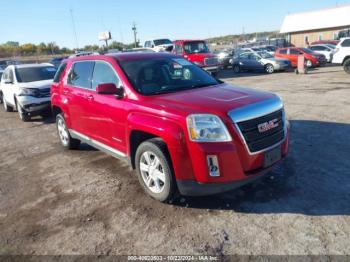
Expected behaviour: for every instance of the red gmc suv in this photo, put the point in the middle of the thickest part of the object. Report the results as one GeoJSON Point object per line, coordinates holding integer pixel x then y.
{"type": "Point", "coordinates": [179, 127]}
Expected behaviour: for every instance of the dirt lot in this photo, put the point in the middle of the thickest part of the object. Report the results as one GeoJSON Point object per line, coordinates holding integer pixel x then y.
{"type": "Point", "coordinates": [85, 202]}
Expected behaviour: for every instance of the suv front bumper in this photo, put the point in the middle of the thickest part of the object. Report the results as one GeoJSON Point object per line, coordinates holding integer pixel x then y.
{"type": "Point", "coordinates": [34, 106]}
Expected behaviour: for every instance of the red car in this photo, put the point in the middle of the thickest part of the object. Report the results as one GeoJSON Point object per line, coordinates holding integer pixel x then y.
{"type": "Point", "coordinates": [180, 128]}
{"type": "Point", "coordinates": [312, 59]}
{"type": "Point", "coordinates": [197, 52]}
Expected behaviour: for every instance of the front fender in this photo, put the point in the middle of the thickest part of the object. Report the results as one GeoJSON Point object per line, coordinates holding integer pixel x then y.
{"type": "Point", "coordinates": [172, 133]}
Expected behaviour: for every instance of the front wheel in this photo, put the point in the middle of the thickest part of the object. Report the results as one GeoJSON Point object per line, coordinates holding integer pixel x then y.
{"type": "Point", "coordinates": [308, 63]}
{"type": "Point", "coordinates": [153, 166]}
{"type": "Point", "coordinates": [346, 66]}
{"type": "Point", "coordinates": [22, 114]}
{"type": "Point", "coordinates": [63, 134]}
{"type": "Point", "coordinates": [6, 106]}
{"type": "Point", "coordinates": [269, 69]}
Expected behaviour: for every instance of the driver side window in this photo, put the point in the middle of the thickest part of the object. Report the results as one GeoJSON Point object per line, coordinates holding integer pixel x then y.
{"type": "Point", "coordinates": [103, 74]}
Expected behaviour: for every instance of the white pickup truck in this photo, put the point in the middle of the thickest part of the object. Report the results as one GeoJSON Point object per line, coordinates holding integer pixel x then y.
{"type": "Point", "coordinates": [159, 45]}
{"type": "Point", "coordinates": [342, 54]}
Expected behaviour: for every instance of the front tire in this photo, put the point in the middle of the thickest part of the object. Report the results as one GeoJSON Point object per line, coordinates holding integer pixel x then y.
{"type": "Point", "coordinates": [269, 68]}
{"type": "Point", "coordinates": [6, 106]}
{"type": "Point", "coordinates": [63, 134]}
{"type": "Point", "coordinates": [21, 112]}
{"type": "Point", "coordinates": [346, 66]}
{"type": "Point", "coordinates": [153, 166]}
{"type": "Point", "coordinates": [308, 63]}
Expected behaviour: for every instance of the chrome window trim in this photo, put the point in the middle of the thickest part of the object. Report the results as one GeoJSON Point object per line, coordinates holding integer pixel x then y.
{"type": "Point", "coordinates": [257, 110]}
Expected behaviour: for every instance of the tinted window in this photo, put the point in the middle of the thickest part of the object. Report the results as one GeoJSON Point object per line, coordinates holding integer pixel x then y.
{"type": "Point", "coordinates": [283, 51]}
{"type": "Point", "coordinates": [81, 74]}
{"type": "Point", "coordinates": [163, 75]}
{"type": "Point", "coordinates": [294, 52]}
{"type": "Point", "coordinates": [59, 73]}
{"type": "Point", "coordinates": [162, 42]}
{"type": "Point", "coordinates": [103, 73]}
{"type": "Point", "coordinates": [196, 47]}
{"type": "Point", "coordinates": [32, 74]}
{"type": "Point", "coordinates": [178, 49]}
{"type": "Point", "coordinates": [346, 43]}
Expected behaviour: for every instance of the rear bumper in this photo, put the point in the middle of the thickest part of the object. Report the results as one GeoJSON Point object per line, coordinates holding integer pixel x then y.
{"type": "Point", "coordinates": [193, 188]}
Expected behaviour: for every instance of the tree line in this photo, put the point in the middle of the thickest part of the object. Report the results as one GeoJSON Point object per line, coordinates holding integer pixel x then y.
{"type": "Point", "coordinates": [12, 49]}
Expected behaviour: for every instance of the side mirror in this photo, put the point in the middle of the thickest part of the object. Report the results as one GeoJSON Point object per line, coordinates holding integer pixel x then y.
{"type": "Point", "coordinates": [110, 89]}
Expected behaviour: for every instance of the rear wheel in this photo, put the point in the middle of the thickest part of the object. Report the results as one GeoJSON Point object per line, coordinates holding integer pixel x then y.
{"type": "Point", "coordinates": [63, 134]}
{"type": "Point", "coordinates": [236, 69]}
{"type": "Point", "coordinates": [153, 166]}
{"type": "Point", "coordinates": [269, 68]}
{"type": "Point", "coordinates": [346, 66]}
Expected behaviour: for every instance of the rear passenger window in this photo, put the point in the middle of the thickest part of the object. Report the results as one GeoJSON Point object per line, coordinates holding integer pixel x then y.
{"type": "Point", "coordinates": [59, 73]}
{"type": "Point", "coordinates": [103, 73]}
{"type": "Point", "coordinates": [81, 74]}
{"type": "Point", "coordinates": [294, 52]}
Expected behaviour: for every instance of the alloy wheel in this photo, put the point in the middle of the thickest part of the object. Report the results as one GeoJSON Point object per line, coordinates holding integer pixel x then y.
{"type": "Point", "coordinates": [62, 132]}
{"type": "Point", "coordinates": [152, 172]}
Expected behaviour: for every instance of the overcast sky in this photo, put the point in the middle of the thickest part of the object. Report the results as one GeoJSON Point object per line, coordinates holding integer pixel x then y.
{"type": "Point", "coordinates": [45, 21]}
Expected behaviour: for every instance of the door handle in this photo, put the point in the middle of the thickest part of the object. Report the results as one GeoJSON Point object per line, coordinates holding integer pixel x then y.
{"type": "Point", "coordinates": [90, 97]}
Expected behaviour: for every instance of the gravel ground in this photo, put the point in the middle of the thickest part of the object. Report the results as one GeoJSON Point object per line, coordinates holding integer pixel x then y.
{"type": "Point", "coordinates": [86, 202]}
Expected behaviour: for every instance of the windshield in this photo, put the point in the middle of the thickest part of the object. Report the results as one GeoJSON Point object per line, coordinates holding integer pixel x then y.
{"type": "Point", "coordinates": [196, 47]}
{"type": "Point", "coordinates": [162, 42]}
{"type": "Point", "coordinates": [32, 74]}
{"type": "Point", "coordinates": [164, 75]}
{"type": "Point", "coordinates": [265, 54]}
{"type": "Point", "coordinates": [331, 46]}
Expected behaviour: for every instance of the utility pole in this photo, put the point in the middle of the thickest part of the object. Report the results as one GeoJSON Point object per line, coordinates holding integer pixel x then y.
{"type": "Point", "coordinates": [74, 29]}
{"type": "Point", "coordinates": [135, 34]}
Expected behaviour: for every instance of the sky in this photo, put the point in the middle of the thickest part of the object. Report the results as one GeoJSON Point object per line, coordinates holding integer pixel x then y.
{"type": "Point", "coordinates": [35, 21]}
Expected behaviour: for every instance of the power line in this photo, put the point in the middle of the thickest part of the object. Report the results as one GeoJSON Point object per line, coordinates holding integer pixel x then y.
{"type": "Point", "coordinates": [74, 29]}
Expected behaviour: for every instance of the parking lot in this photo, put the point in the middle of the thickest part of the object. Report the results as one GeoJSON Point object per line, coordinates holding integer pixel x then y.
{"type": "Point", "coordinates": [85, 202]}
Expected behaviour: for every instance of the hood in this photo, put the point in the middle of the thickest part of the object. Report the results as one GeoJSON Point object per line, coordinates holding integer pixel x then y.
{"type": "Point", "coordinates": [219, 99]}
{"type": "Point", "coordinates": [44, 84]}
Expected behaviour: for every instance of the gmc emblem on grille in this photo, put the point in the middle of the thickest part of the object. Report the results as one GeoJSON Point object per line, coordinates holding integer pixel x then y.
{"type": "Point", "coordinates": [264, 127]}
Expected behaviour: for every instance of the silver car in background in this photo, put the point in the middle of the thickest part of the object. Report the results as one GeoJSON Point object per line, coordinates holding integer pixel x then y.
{"type": "Point", "coordinates": [251, 60]}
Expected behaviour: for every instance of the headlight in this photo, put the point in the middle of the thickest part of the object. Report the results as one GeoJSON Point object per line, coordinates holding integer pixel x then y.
{"type": "Point", "coordinates": [207, 128]}
{"type": "Point", "coordinates": [28, 92]}
{"type": "Point", "coordinates": [222, 55]}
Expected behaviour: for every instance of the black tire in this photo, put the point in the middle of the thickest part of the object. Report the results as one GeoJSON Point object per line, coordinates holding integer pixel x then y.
{"type": "Point", "coordinates": [158, 148]}
{"type": "Point", "coordinates": [7, 107]}
{"type": "Point", "coordinates": [236, 69]}
{"type": "Point", "coordinates": [214, 74]}
{"type": "Point", "coordinates": [346, 66]}
{"type": "Point", "coordinates": [21, 112]}
{"type": "Point", "coordinates": [0, 97]}
{"type": "Point", "coordinates": [69, 143]}
{"type": "Point", "coordinates": [269, 69]}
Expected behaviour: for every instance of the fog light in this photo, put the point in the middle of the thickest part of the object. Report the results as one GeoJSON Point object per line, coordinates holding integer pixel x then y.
{"type": "Point", "coordinates": [213, 166]}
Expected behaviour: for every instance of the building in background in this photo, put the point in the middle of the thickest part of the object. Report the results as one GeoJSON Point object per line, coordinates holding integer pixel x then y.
{"type": "Point", "coordinates": [327, 24]}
